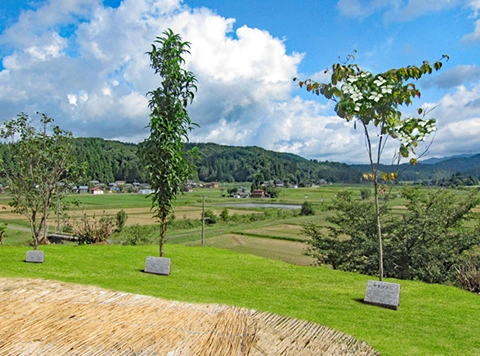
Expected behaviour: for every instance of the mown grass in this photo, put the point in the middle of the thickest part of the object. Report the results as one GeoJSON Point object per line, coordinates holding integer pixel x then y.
{"type": "Point", "coordinates": [431, 320]}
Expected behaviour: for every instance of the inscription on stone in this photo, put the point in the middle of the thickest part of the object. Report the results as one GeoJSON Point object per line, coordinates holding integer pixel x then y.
{"type": "Point", "coordinates": [157, 265]}
{"type": "Point", "coordinates": [383, 294]}
{"type": "Point", "coordinates": [35, 256]}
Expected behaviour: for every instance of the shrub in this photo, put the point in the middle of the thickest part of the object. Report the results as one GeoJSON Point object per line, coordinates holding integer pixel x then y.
{"type": "Point", "coordinates": [122, 218]}
{"type": "Point", "coordinates": [224, 215]}
{"type": "Point", "coordinates": [92, 230]}
{"type": "Point", "coordinates": [210, 217]}
{"type": "Point", "coordinates": [468, 277]}
{"type": "Point", "coordinates": [138, 235]}
{"type": "Point", "coordinates": [307, 209]}
{"type": "Point", "coordinates": [365, 193]}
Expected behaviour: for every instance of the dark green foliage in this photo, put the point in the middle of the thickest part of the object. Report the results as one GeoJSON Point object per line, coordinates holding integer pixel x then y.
{"type": "Point", "coordinates": [254, 186]}
{"type": "Point", "coordinates": [122, 218]}
{"type": "Point", "coordinates": [232, 191]}
{"type": "Point", "coordinates": [210, 217]}
{"type": "Point", "coordinates": [365, 193]}
{"type": "Point", "coordinates": [138, 235]}
{"type": "Point", "coordinates": [109, 161]}
{"type": "Point", "coordinates": [256, 165]}
{"type": "Point", "coordinates": [425, 244]}
{"type": "Point", "coordinates": [271, 190]}
{"type": "Point", "coordinates": [307, 209]}
{"type": "Point", "coordinates": [224, 215]}
{"type": "Point", "coordinates": [162, 153]}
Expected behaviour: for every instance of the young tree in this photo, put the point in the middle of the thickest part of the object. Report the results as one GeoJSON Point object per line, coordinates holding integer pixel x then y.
{"type": "Point", "coordinates": [429, 242]}
{"type": "Point", "coordinates": [163, 152]}
{"type": "Point", "coordinates": [374, 101]}
{"type": "Point", "coordinates": [43, 167]}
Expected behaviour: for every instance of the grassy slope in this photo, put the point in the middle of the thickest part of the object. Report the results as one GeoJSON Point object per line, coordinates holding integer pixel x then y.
{"type": "Point", "coordinates": [431, 320]}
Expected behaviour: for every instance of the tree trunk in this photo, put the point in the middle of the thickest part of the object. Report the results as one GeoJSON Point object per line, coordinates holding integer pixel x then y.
{"type": "Point", "coordinates": [163, 232]}
{"type": "Point", "coordinates": [379, 229]}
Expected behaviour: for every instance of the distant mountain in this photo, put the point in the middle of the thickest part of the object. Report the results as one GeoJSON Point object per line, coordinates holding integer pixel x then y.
{"type": "Point", "coordinates": [433, 169]}
{"type": "Point", "coordinates": [243, 164]}
{"type": "Point", "coordinates": [435, 160]}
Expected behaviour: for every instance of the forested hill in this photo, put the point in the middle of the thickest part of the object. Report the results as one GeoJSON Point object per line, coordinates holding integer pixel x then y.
{"type": "Point", "coordinates": [242, 164]}
{"type": "Point", "coordinates": [444, 169]}
{"type": "Point", "coordinates": [108, 161]}
{"type": "Point", "coordinates": [112, 160]}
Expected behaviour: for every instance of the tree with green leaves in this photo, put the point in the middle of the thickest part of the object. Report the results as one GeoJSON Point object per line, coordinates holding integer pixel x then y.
{"type": "Point", "coordinates": [162, 153]}
{"type": "Point", "coordinates": [43, 168]}
{"type": "Point", "coordinates": [429, 242]}
{"type": "Point", "coordinates": [374, 101]}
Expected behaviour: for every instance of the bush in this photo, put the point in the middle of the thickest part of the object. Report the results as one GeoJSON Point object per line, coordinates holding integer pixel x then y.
{"type": "Point", "coordinates": [122, 218]}
{"type": "Point", "coordinates": [92, 230]}
{"type": "Point", "coordinates": [468, 277]}
{"type": "Point", "coordinates": [307, 209]}
{"type": "Point", "coordinates": [224, 215]}
{"type": "Point", "coordinates": [210, 217]}
{"type": "Point", "coordinates": [365, 193]}
{"type": "Point", "coordinates": [138, 234]}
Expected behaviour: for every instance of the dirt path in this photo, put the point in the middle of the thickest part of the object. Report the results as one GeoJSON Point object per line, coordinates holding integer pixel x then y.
{"type": "Point", "coordinates": [39, 317]}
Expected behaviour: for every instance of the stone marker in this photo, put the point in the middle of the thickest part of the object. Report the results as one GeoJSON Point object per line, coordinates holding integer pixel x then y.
{"type": "Point", "coordinates": [35, 256]}
{"type": "Point", "coordinates": [383, 294]}
{"type": "Point", "coordinates": [157, 265]}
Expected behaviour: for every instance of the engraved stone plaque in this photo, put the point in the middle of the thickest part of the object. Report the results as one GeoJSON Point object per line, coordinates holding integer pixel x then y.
{"type": "Point", "coordinates": [157, 265]}
{"type": "Point", "coordinates": [383, 294]}
{"type": "Point", "coordinates": [35, 256]}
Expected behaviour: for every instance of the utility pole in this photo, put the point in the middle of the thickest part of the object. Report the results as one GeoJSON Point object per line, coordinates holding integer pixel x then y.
{"type": "Point", "coordinates": [203, 220]}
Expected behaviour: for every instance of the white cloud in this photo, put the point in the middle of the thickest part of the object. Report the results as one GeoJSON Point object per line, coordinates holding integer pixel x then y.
{"type": "Point", "coordinates": [93, 78]}
{"type": "Point", "coordinates": [473, 37]}
{"type": "Point", "coordinates": [458, 121]}
{"type": "Point", "coordinates": [454, 77]}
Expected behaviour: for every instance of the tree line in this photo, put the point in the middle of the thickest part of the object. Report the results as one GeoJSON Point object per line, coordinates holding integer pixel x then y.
{"type": "Point", "coordinates": [109, 161]}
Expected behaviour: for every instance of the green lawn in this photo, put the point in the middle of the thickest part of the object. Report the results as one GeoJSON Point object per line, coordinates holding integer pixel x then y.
{"type": "Point", "coordinates": [431, 320]}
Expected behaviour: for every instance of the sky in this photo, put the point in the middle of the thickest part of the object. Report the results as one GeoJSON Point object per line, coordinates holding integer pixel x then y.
{"type": "Point", "coordinates": [83, 63]}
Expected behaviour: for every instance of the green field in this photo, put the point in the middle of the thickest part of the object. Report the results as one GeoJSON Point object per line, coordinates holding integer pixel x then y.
{"type": "Point", "coordinates": [431, 319]}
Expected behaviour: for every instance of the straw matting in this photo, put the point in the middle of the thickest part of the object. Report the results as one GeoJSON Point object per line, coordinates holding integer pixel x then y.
{"type": "Point", "coordinates": [40, 317]}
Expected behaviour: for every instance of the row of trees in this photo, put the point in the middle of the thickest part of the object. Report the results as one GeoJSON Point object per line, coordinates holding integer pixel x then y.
{"type": "Point", "coordinates": [109, 161]}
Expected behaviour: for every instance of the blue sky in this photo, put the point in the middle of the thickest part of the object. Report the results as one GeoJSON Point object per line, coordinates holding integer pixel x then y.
{"type": "Point", "coordinates": [83, 62]}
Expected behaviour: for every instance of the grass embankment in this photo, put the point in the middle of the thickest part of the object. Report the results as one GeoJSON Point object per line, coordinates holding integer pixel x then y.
{"type": "Point", "coordinates": [431, 320]}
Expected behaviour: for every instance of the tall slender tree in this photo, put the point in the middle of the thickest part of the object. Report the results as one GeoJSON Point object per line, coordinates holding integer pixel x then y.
{"type": "Point", "coordinates": [374, 101]}
{"type": "Point", "coordinates": [162, 153]}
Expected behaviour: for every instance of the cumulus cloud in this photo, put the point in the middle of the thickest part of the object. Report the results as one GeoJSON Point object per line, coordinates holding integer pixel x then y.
{"type": "Point", "coordinates": [85, 65]}
{"type": "Point", "coordinates": [454, 77]}
{"type": "Point", "coordinates": [101, 88]}
{"type": "Point", "coordinates": [458, 121]}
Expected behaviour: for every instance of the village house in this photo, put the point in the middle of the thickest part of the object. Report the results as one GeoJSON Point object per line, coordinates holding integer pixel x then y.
{"type": "Point", "coordinates": [259, 193]}
{"type": "Point", "coordinates": [96, 190]}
